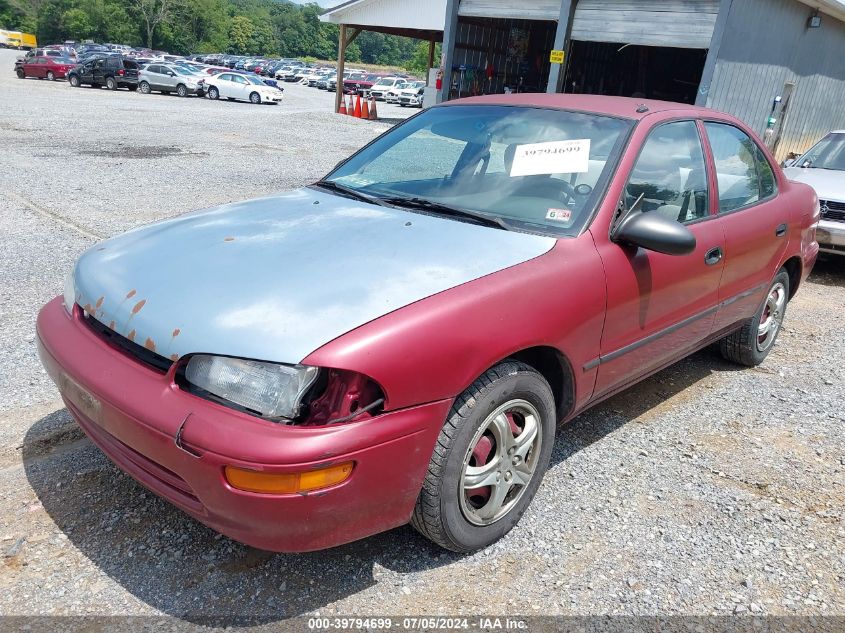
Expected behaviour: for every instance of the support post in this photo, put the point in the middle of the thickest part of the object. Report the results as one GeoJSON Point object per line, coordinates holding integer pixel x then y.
{"type": "Point", "coordinates": [450, 33]}
{"type": "Point", "coordinates": [562, 36]}
{"type": "Point", "coordinates": [713, 53]}
{"type": "Point", "coordinates": [431, 47]}
{"type": "Point", "coordinates": [341, 59]}
{"type": "Point", "coordinates": [342, 43]}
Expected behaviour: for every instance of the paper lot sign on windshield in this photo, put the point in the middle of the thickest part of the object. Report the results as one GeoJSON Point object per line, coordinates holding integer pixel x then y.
{"type": "Point", "coordinates": [554, 157]}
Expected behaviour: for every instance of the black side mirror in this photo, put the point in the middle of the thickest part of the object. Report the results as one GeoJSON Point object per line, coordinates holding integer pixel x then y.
{"type": "Point", "coordinates": [654, 232]}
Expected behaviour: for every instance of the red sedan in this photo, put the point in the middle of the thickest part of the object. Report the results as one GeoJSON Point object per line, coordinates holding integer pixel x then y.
{"type": "Point", "coordinates": [46, 67]}
{"type": "Point", "coordinates": [399, 341]}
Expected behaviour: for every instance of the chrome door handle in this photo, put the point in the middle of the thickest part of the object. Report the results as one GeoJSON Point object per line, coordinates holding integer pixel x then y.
{"type": "Point", "coordinates": [713, 256]}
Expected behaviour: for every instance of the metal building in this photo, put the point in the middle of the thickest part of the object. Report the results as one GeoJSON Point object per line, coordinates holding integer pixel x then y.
{"type": "Point", "coordinates": [777, 64]}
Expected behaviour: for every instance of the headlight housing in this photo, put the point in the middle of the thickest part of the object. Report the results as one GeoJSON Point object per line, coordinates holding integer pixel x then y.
{"type": "Point", "coordinates": [271, 389]}
{"type": "Point", "coordinates": [69, 293]}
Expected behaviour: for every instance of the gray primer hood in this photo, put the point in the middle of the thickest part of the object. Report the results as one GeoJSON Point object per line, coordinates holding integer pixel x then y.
{"type": "Point", "coordinates": [276, 278]}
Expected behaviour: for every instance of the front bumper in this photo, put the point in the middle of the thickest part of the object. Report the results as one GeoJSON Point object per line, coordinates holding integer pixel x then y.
{"type": "Point", "coordinates": [830, 235]}
{"type": "Point", "coordinates": [133, 413]}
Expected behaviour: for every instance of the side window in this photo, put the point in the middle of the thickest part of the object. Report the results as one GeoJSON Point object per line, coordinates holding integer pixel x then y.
{"type": "Point", "coordinates": [670, 174]}
{"type": "Point", "coordinates": [239, 79]}
{"type": "Point", "coordinates": [743, 173]}
{"type": "Point", "coordinates": [225, 77]}
{"type": "Point", "coordinates": [768, 184]}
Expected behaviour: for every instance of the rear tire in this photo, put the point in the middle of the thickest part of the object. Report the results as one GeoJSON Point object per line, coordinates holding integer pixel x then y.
{"type": "Point", "coordinates": [111, 84]}
{"type": "Point", "coordinates": [50, 76]}
{"type": "Point", "coordinates": [213, 93]}
{"type": "Point", "coordinates": [482, 476]}
{"type": "Point", "coordinates": [144, 87]}
{"type": "Point", "coordinates": [750, 344]}
{"type": "Point", "coordinates": [182, 90]}
{"type": "Point", "coordinates": [73, 80]}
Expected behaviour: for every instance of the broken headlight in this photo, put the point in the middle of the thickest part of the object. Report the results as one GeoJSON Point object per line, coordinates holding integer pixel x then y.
{"type": "Point", "coordinates": [270, 389]}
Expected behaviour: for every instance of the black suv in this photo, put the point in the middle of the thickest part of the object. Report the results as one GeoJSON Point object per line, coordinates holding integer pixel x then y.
{"type": "Point", "coordinates": [113, 72]}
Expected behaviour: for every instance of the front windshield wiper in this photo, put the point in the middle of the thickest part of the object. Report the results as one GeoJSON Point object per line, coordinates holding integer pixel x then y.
{"type": "Point", "coordinates": [349, 192]}
{"type": "Point", "coordinates": [444, 209]}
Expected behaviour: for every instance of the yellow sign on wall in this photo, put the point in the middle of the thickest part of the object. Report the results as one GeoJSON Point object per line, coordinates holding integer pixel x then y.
{"type": "Point", "coordinates": [556, 57]}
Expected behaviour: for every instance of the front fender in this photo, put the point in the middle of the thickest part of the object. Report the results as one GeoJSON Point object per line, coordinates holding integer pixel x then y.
{"type": "Point", "coordinates": [435, 348]}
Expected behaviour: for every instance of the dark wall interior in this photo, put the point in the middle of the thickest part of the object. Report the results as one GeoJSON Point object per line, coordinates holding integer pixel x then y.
{"type": "Point", "coordinates": [653, 72]}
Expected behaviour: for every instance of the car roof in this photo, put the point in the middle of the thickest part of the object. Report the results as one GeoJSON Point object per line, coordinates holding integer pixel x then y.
{"type": "Point", "coordinates": [599, 104]}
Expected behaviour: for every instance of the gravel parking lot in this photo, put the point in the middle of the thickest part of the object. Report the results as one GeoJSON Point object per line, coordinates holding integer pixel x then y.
{"type": "Point", "coordinates": [706, 489]}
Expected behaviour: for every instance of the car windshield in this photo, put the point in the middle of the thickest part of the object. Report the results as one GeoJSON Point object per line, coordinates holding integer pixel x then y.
{"type": "Point", "coordinates": [63, 60]}
{"type": "Point", "coordinates": [537, 169]}
{"type": "Point", "coordinates": [828, 153]}
{"type": "Point", "coordinates": [254, 80]}
{"type": "Point", "coordinates": [182, 71]}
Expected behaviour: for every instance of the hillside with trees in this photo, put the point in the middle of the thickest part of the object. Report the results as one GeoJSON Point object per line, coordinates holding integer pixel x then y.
{"type": "Point", "coordinates": [245, 27]}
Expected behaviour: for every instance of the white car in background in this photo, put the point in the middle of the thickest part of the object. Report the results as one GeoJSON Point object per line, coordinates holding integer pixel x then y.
{"type": "Point", "coordinates": [411, 94]}
{"type": "Point", "coordinates": [384, 85]}
{"type": "Point", "coordinates": [241, 87]}
{"type": "Point", "coordinates": [392, 95]}
{"type": "Point", "coordinates": [823, 168]}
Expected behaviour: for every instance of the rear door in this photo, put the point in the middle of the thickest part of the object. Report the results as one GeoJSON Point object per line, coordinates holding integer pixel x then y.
{"type": "Point", "coordinates": [660, 307]}
{"type": "Point", "coordinates": [240, 87]}
{"type": "Point", "coordinates": [756, 224]}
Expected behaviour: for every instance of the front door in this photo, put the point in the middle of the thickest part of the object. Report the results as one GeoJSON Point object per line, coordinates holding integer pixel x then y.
{"type": "Point", "coordinates": [661, 306]}
{"type": "Point", "coordinates": [756, 226]}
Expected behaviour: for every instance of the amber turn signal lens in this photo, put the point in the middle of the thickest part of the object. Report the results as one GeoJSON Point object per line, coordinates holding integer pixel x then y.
{"type": "Point", "coordinates": [287, 483]}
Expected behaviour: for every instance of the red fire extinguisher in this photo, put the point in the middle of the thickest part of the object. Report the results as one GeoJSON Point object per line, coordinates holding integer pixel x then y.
{"type": "Point", "coordinates": [439, 82]}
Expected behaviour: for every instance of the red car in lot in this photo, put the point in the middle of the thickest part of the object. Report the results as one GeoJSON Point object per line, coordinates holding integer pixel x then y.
{"type": "Point", "coordinates": [399, 341]}
{"type": "Point", "coordinates": [45, 67]}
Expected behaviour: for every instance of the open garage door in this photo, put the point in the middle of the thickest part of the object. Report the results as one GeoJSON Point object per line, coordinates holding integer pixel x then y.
{"type": "Point", "coordinates": [671, 23]}
{"type": "Point", "coordinates": [640, 48]}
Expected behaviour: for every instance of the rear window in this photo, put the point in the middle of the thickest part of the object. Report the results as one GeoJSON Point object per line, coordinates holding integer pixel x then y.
{"type": "Point", "coordinates": [128, 64]}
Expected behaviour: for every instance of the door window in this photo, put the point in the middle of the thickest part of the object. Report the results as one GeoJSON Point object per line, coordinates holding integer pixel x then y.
{"type": "Point", "coordinates": [742, 171]}
{"type": "Point", "coordinates": [225, 77]}
{"type": "Point", "coordinates": [670, 174]}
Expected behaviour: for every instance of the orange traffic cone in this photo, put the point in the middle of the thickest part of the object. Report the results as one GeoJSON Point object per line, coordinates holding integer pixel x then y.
{"type": "Point", "coordinates": [358, 107]}
{"type": "Point", "coordinates": [373, 111]}
{"type": "Point", "coordinates": [350, 110]}
{"type": "Point", "coordinates": [342, 109]}
{"type": "Point", "coordinates": [365, 109]}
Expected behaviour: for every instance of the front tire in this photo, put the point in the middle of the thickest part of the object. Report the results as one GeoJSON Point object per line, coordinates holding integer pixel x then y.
{"type": "Point", "coordinates": [74, 81]}
{"type": "Point", "coordinates": [750, 344]}
{"type": "Point", "coordinates": [20, 73]}
{"type": "Point", "coordinates": [50, 76]}
{"type": "Point", "coordinates": [144, 87]}
{"type": "Point", "coordinates": [111, 84]}
{"type": "Point", "coordinates": [255, 98]}
{"type": "Point", "coordinates": [213, 93]}
{"type": "Point", "coordinates": [489, 459]}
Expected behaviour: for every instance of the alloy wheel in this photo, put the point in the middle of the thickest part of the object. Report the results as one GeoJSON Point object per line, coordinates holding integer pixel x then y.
{"type": "Point", "coordinates": [500, 462]}
{"type": "Point", "coordinates": [771, 317]}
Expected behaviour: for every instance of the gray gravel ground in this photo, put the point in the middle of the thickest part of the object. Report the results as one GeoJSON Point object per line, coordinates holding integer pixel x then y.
{"type": "Point", "coordinates": [704, 490]}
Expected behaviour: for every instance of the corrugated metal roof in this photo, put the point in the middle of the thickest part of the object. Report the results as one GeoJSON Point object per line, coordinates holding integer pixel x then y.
{"type": "Point", "coordinates": [426, 15]}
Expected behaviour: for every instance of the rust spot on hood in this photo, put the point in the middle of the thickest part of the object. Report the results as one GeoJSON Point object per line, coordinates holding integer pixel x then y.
{"type": "Point", "coordinates": [131, 293]}
{"type": "Point", "coordinates": [131, 335]}
{"type": "Point", "coordinates": [137, 308]}
{"type": "Point", "coordinates": [149, 344]}
{"type": "Point", "coordinates": [174, 357]}
{"type": "Point", "coordinates": [88, 308]}
{"type": "Point", "coordinates": [176, 332]}
{"type": "Point", "coordinates": [111, 325]}
{"type": "Point", "coordinates": [99, 302]}
{"type": "Point", "coordinates": [229, 239]}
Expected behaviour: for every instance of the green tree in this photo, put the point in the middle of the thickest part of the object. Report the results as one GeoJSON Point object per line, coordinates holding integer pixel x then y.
{"type": "Point", "coordinates": [418, 63]}
{"type": "Point", "coordinates": [241, 31]}
{"type": "Point", "coordinates": [77, 24]}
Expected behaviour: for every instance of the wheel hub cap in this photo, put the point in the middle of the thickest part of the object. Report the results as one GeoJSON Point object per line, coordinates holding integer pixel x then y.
{"type": "Point", "coordinates": [500, 462]}
{"type": "Point", "coordinates": [771, 317]}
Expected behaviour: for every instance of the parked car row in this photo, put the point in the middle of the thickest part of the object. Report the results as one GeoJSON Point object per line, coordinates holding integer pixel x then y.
{"type": "Point", "coordinates": [178, 76]}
